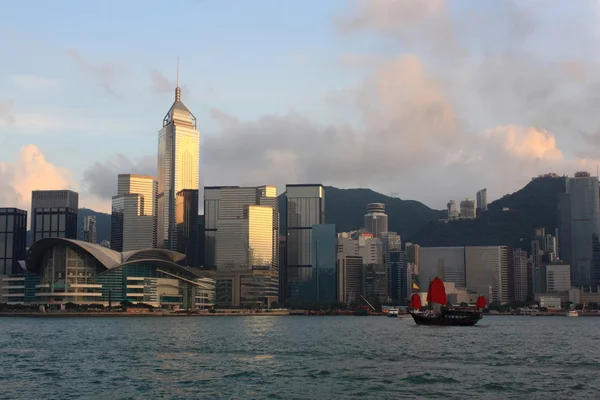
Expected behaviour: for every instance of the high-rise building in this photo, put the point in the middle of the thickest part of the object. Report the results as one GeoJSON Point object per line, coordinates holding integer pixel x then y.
{"type": "Point", "coordinates": [558, 277]}
{"type": "Point", "coordinates": [178, 166]}
{"type": "Point", "coordinates": [399, 280]}
{"type": "Point", "coordinates": [89, 229]}
{"type": "Point", "coordinates": [537, 265]}
{"type": "Point", "coordinates": [412, 256]}
{"type": "Point", "coordinates": [451, 209]}
{"type": "Point", "coordinates": [481, 200]}
{"type": "Point", "coordinates": [133, 218]}
{"type": "Point", "coordinates": [54, 214]}
{"type": "Point", "coordinates": [201, 246]}
{"type": "Point", "coordinates": [447, 263]}
{"type": "Point", "coordinates": [579, 221]}
{"type": "Point", "coordinates": [390, 241]}
{"type": "Point", "coordinates": [13, 236]}
{"type": "Point", "coordinates": [518, 276]}
{"type": "Point", "coordinates": [323, 285]}
{"type": "Point", "coordinates": [349, 270]}
{"type": "Point", "coordinates": [376, 220]}
{"type": "Point", "coordinates": [467, 208]}
{"type": "Point", "coordinates": [486, 270]}
{"type": "Point", "coordinates": [187, 218]}
{"type": "Point", "coordinates": [305, 208]}
{"type": "Point", "coordinates": [242, 231]}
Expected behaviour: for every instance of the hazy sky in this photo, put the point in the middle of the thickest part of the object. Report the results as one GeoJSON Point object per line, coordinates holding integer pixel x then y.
{"type": "Point", "coordinates": [432, 100]}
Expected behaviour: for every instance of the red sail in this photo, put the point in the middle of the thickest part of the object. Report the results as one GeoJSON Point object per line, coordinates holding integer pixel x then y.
{"type": "Point", "coordinates": [480, 302]}
{"type": "Point", "coordinates": [437, 292]}
{"type": "Point", "coordinates": [415, 301]}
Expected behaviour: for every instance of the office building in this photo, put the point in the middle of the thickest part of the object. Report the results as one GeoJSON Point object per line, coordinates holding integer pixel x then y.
{"type": "Point", "coordinates": [486, 270]}
{"type": "Point", "coordinates": [412, 256]}
{"type": "Point", "coordinates": [89, 229]}
{"type": "Point", "coordinates": [242, 234]}
{"type": "Point", "coordinates": [349, 269]}
{"type": "Point", "coordinates": [133, 217]}
{"type": "Point", "coordinates": [61, 271]}
{"type": "Point", "coordinates": [538, 278]}
{"type": "Point", "coordinates": [201, 251]}
{"type": "Point", "coordinates": [447, 263]}
{"type": "Point", "coordinates": [305, 208]}
{"type": "Point", "coordinates": [518, 281]}
{"type": "Point", "coordinates": [390, 241]}
{"type": "Point", "coordinates": [13, 236]}
{"type": "Point", "coordinates": [54, 214]}
{"type": "Point", "coordinates": [481, 201]}
{"type": "Point", "coordinates": [558, 278]}
{"type": "Point", "coordinates": [188, 226]}
{"type": "Point", "coordinates": [399, 279]}
{"type": "Point", "coordinates": [324, 271]}
{"type": "Point", "coordinates": [178, 166]}
{"type": "Point", "coordinates": [579, 221]}
{"type": "Point", "coordinates": [375, 283]}
{"type": "Point", "coordinates": [467, 208]}
{"type": "Point", "coordinates": [376, 220]}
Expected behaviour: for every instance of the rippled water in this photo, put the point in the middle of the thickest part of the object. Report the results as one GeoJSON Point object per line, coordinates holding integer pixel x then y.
{"type": "Point", "coordinates": [298, 358]}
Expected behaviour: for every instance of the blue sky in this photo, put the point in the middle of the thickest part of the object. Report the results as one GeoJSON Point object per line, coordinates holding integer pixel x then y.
{"type": "Point", "coordinates": [84, 81]}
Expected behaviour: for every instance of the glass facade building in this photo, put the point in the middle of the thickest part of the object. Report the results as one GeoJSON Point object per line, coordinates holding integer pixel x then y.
{"type": "Point", "coordinates": [133, 218]}
{"type": "Point", "coordinates": [178, 166]}
{"type": "Point", "coordinates": [63, 270]}
{"type": "Point", "coordinates": [305, 208]}
{"type": "Point", "coordinates": [54, 214]}
{"type": "Point", "coordinates": [323, 286]}
{"type": "Point", "coordinates": [448, 263]}
{"type": "Point", "coordinates": [188, 228]}
{"type": "Point", "coordinates": [579, 223]}
{"type": "Point", "coordinates": [376, 220]}
{"type": "Point", "coordinates": [242, 231]}
{"type": "Point", "coordinates": [487, 272]}
{"type": "Point", "coordinates": [398, 277]}
{"type": "Point", "coordinates": [13, 236]}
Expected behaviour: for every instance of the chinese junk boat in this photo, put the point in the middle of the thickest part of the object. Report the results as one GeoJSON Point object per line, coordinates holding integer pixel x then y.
{"type": "Point", "coordinates": [446, 315]}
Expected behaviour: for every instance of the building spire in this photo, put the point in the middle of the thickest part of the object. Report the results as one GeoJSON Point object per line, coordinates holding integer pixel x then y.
{"type": "Point", "coordinates": [177, 89]}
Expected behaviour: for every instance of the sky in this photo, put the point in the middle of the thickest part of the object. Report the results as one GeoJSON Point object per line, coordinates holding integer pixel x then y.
{"type": "Point", "coordinates": [430, 100]}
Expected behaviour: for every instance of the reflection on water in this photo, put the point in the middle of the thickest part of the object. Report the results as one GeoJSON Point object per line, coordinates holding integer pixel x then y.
{"type": "Point", "coordinates": [298, 358]}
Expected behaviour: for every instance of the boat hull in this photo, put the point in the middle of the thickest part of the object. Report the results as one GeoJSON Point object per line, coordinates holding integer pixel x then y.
{"type": "Point", "coordinates": [448, 318]}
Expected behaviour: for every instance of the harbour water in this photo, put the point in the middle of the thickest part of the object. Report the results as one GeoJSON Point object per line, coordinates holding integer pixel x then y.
{"type": "Point", "coordinates": [298, 358]}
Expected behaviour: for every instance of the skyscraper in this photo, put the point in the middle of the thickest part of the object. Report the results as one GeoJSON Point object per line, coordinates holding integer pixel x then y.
{"type": "Point", "coordinates": [481, 200]}
{"type": "Point", "coordinates": [376, 220]}
{"type": "Point", "coordinates": [579, 221]}
{"type": "Point", "coordinates": [178, 165]}
{"type": "Point", "coordinates": [188, 227]}
{"type": "Point", "coordinates": [305, 208]}
{"type": "Point", "coordinates": [324, 276]}
{"type": "Point", "coordinates": [133, 219]}
{"type": "Point", "coordinates": [54, 214]}
{"type": "Point", "coordinates": [467, 208]}
{"type": "Point", "coordinates": [399, 279]}
{"type": "Point", "coordinates": [89, 229]}
{"type": "Point", "coordinates": [487, 272]}
{"type": "Point", "coordinates": [518, 281]}
{"type": "Point", "coordinates": [242, 233]}
{"type": "Point", "coordinates": [13, 231]}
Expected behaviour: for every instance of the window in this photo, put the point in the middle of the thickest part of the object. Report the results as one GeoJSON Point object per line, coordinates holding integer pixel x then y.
{"type": "Point", "coordinates": [61, 222]}
{"type": "Point", "coordinates": [2, 222]}
{"type": "Point", "coordinates": [10, 219]}
{"type": "Point", "coordinates": [2, 244]}
{"type": "Point", "coordinates": [9, 245]}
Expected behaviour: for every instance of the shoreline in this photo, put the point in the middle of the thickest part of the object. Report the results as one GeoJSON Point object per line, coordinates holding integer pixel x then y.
{"type": "Point", "coordinates": [64, 314]}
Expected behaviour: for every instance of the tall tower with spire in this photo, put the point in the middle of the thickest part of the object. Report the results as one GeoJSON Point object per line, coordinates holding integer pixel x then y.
{"type": "Point", "coordinates": [178, 165]}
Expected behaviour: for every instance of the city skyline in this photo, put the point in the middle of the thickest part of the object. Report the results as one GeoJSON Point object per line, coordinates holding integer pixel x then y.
{"type": "Point", "coordinates": [288, 119]}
